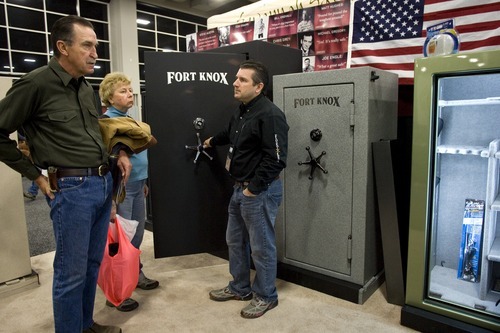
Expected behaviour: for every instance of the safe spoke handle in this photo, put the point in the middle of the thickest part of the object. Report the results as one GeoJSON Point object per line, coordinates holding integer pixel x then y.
{"type": "Point", "coordinates": [199, 149]}
{"type": "Point", "coordinates": [314, 162]}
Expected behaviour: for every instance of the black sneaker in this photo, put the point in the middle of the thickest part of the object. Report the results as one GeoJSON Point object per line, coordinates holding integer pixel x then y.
{"type": "Point", "coordinates": [146, 283]}
{"type": "Point", "coordinates": [257, 308]}
{"type": "Point", "coordinates": [29, 196]}
{"type": "Point", "coordinates": [96, 328]}
{"type": "Point", "coordinates": [225, 294]}
{"type": "Point", "coordinates": [127, 305]}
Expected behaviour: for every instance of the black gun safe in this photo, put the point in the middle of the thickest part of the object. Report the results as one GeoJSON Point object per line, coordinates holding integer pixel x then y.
{"type": "Point", "coordinates": [189, 97]}
{"type": "Point", "coordinates": [328, 231]}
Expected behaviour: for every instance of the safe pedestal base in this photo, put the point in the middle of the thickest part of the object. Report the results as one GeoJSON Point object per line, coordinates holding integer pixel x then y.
{"type": "Point", "coordinates": [425, 321]}
{"type": "Point", "coordinates": [326, 284]}
{"type": "Point", "coordinates": [18, 285]}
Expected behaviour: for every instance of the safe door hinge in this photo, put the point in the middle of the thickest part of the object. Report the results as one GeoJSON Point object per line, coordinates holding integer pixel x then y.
{"type": "Point", "coordinates": [349, 248]}
{"type": "Point", "coordinates": [351, 115]}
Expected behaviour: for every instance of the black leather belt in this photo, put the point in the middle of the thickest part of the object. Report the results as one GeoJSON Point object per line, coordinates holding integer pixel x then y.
{"type": "Point", "coordinates": [242, 184]}
{"type": "Point", "coordinates": [245, 183]}
{"type": "Point", "coordinates": [101, 170]}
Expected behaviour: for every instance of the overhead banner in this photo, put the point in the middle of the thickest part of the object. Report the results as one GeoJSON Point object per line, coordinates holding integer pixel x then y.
{"type": "Point", "coordinates": [320, 31]}
{"type": "Point", "coordinates": [387, 34]}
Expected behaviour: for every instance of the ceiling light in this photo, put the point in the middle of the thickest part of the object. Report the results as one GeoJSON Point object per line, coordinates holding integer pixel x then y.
{"type": "Point", "coordinates": [142, 22]}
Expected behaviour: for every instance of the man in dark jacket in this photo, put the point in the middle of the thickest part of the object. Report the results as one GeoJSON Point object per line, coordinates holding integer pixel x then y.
{"type": "Point", "coordinates": [257, 136]}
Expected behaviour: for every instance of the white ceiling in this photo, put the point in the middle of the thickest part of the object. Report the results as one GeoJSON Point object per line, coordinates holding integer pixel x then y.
{"type": "Point", "coordinates": [203, 8]}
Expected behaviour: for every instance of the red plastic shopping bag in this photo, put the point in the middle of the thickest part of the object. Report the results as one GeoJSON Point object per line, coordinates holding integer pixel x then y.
{"type": "Point", "coordinates": [119, 272]}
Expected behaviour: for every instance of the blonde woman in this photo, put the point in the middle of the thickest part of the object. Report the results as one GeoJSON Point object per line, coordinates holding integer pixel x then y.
{"type": "Point", "coordinates": [117, 94]}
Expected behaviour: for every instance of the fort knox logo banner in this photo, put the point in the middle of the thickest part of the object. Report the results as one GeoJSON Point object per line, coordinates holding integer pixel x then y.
{"type": "Point", "coordinates": [177, 77]}
{"type": "Point", "coordinates": [309, 101]}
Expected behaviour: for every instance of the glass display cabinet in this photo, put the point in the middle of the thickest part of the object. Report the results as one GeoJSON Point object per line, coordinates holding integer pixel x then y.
{"type": "Point", "coordinates": [453, 276]}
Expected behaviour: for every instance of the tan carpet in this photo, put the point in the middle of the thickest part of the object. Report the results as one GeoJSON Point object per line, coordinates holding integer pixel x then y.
{"type": "Point", "coordinates": [181, 303]}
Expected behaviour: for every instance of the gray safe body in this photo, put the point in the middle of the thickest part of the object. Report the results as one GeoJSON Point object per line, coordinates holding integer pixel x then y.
{"type": "Point", "coordinates": [329, 224]}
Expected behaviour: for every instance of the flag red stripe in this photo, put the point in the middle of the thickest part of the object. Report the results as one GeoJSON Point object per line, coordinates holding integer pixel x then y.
{"type": "Point", "coordinates": [406, 80]}
{"type": "Point", "coordinates": [402, 80]}
{"type": "Point", "coordinates": [388, 52]}
{"type": "Point", "coordinates": [433, 2]}
{"type": "Point", "coordinates": [394, 67]}
{"type": "Point", "coordinates": [467, 46]}
{"type": "Point", "coordinates": [475, 27]}
{"type": "Point", "coordinates": [457, 12]}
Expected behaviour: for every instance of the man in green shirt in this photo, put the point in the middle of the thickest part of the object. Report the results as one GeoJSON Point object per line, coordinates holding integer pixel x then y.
{"type": "Point", "coordinates": [57, 110]}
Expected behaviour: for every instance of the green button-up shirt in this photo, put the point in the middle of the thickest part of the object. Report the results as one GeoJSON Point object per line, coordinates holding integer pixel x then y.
{"type": "Point", "coordinates": [59, 118]}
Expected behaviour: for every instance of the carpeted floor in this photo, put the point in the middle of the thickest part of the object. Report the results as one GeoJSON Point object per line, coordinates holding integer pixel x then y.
{"type": "Point", "coordinates": [40, 235]}
{"type": "Point", "coordinates": [181, 303]}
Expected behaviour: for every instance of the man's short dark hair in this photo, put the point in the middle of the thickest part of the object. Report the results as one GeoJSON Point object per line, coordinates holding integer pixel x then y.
{"type": "Point", "coordinates": [260, 75]}
{"type": "Point", "coordinates": [63, 30]}
{"type": "Point", "coordinates": [307, 34]}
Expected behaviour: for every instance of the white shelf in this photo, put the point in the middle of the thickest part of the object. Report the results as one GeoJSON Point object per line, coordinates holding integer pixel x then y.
{"type": "Point", "coordinates": [494, 254]}
{"type": "Point", "coordinates": [463, 150]}
{"type": "Point", "coordinates": [468, 102]}
{"type": "Point", "coordinates": [496, 204]}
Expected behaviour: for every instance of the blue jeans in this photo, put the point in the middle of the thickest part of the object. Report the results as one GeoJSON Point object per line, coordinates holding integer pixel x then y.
{"type": "Point", "coordinates": [250, 233]}
{"type": "Point", "coordinates": [80, 216]}
{"type": "Point", "coordinates": [33, 188]}
{"type": "Point", "coordinates": [134, 208]}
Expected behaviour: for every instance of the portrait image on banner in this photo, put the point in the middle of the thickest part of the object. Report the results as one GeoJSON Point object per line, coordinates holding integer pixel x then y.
{"type": "Point", "coordinates": [241, 33]}
{"type": "Point", "coordinates": [260, 27]}
{"type": "Point", "coordinates": [191, 42]}
{"type": "Point", "coordinates": [306, 43]}
{"type": "Point", "coordinates": [306, 19]}
{"type": "Point", "coordinates": [224, 33]}
{"type": "Point", "coordinates": [308, 64]}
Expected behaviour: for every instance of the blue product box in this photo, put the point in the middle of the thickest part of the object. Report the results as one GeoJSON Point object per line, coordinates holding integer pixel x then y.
{"type": "Point", "coordinates": [470, 247]}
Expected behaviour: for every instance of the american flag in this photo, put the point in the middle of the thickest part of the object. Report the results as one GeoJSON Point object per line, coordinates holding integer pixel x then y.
{"type": "Point", "coordinates": [390, 34]}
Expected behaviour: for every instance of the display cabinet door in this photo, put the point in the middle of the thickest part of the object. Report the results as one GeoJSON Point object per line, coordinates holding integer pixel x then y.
{"type": "Point", "coordinates": [464, 223]}
{"type": "Point", "coordinates": [318, 179]}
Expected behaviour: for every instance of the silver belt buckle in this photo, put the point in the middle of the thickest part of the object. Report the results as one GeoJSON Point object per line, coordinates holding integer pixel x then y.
{"type": "Point", "coordinates": [102, 169]}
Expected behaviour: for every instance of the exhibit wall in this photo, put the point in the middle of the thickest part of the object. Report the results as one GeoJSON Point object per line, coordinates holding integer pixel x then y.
{"type": "Point", "coordinates": [338, 34]}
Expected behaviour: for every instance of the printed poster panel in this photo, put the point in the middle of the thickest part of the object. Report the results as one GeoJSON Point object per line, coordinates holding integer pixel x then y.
{"type": "Point", "coordinates": [335, 40]}
{"type": "Point", "coordinates": [289, 41]}
{"type": "Point", "coordinates": [320, 32]}
{"type": "Point", "coordinates": [241, 33]}
{"type": "Point", "coordinates": [208, 39]}
{"type": "Point", "coordinates": [332, 15]}
{"type": "Point", "coordinates": [282, 25]}
{"type": "Point", "coordinates": [260, 28]}
{"type": "Point", "coordinates": [330, 61]}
